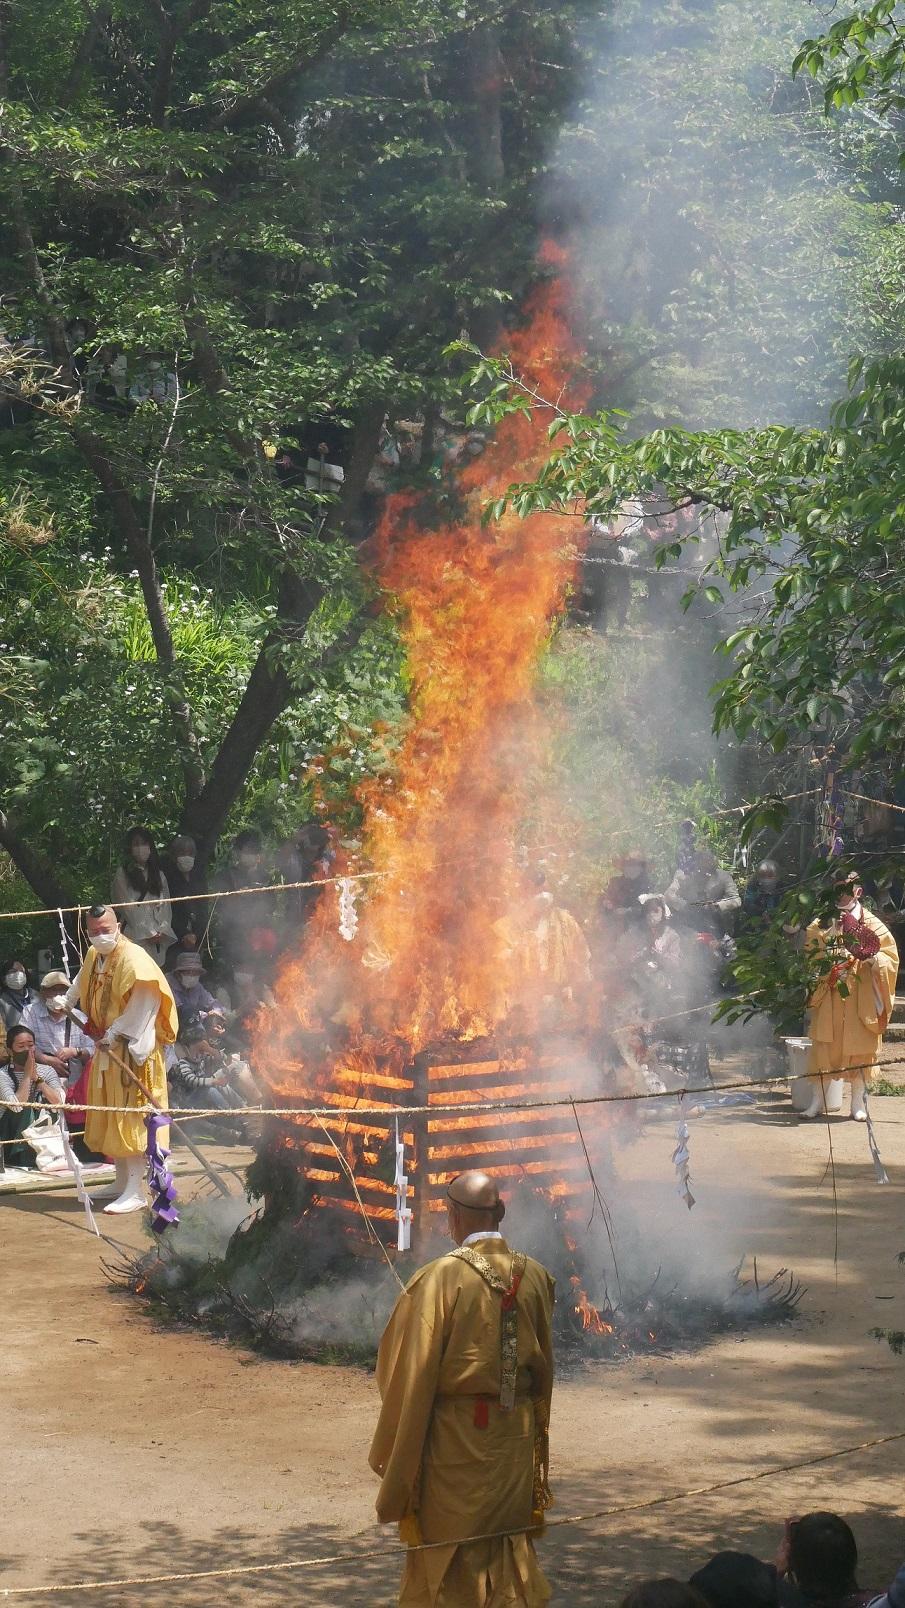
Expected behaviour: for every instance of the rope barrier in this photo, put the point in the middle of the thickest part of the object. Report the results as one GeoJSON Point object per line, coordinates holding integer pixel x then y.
{"type": "Point", "coordinates": [193, 898]}
{"type": "Point", "coordinates": [285, 1565]}
{"type": "Point", "coordinates": [866, 799]}
{"type": "Point", "coordinates": [466, 1108]}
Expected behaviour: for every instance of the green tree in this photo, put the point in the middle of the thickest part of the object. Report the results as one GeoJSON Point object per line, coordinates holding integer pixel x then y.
{"type": "Point", "coordinates": [233, 239]}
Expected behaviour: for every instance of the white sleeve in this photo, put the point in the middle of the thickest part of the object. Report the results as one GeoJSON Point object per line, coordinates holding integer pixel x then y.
{"type": "Point", "coordinates": [138, 1020]}
{"type": "Point", "coordinates": [74, 991]}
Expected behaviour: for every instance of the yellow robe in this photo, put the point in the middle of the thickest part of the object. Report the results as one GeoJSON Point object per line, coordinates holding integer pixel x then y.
{"type": "Point", "coordinates": [443, 1477]}
{"type": "Point", "coordinates": [104, 996]}
{"type": "Point", "coordinates": [846, 1032]}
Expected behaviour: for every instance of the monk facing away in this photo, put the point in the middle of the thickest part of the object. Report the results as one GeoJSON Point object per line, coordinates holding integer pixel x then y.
{"type": "Point", "coordinates": [465, 1372]}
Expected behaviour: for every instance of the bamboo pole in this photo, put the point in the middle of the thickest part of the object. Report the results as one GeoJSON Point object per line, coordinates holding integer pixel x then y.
{"type": "Point", "coordinates": [189, 1143]}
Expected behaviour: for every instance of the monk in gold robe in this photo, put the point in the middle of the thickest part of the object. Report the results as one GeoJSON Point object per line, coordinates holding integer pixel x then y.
{"type": "Point", "coordinates": [851, 1005]}
{"type": "Point", "coordinates": [132, 1015]}
{"type": "Point", "coordinates": [543, 951]}
{"type": "Point", "coordinates": [465, 1372]}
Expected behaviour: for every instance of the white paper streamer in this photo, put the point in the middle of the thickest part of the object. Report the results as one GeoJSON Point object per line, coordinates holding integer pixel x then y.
{"type": "Point", "coordinates": [76, 1168]}
{"type": "Point", "coordinates": [403, 1211]}
{"type": "Point", "coordinates": [64, 945]}
{"type": "Point", "coordinates": [681, 1160]}
{"type": "Point", "coordinates": [880, 1173]}
{"type": "Point", "coordinates": [348, 915]}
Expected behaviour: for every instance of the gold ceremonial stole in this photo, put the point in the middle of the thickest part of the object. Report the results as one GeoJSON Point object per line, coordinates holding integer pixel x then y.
{"type": "Point", "coordinates": [509, 1321]}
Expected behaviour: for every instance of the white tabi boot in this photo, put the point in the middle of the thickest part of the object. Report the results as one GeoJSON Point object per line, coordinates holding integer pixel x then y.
{"type": "Point", "coordinates": [113, 1190]}
{"type": "Point", "coordinates": [132, 1198]}
{"type": "Point", "coordinates": [859, 1088]}
{"type": "Point", "coordinates": [817, 1107]}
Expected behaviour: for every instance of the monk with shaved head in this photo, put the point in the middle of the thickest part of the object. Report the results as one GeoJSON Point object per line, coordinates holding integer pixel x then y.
{"type": "Point", "coordinates": [465, 1372]}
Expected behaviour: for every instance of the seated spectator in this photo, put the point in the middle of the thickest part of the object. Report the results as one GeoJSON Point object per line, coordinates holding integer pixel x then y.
{"type": "Point", "coordinates": [247, 995]}
{"type": "Point", "coordinates": [16, 993]}
{"type": "Point", "coordinates": [23, 1079]}
{"type": "Point", "coordinates": [193, 1001]}
{"type": "Point", "coordinates": [818, 1562]}
{"type": "Point", "coordinates": [895, 1596]}
{"type": "Point", "coordinates": [737, 1580]}
{"type": "Point", "coordinates": [200, 1075]}
{"type": "Point", "coordinates": [665, 1593]}
{"type": "Point", "coordinates": [59, 1041]}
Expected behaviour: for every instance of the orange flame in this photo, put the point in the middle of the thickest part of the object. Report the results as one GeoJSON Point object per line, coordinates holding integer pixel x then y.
{"type": "Point", "coordinates": [591, 1321]}
{"type": "Point", "coordinates": [446, 944]}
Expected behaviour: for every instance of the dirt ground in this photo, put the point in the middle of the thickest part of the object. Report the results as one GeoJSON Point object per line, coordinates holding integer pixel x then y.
{"type": "Point", "coordinates": [133, 1450]}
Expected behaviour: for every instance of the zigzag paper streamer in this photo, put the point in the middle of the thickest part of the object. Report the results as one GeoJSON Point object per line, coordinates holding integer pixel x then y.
{"type": "Point", "coordinates": [681, 1160]}
{"type": "Point", "coordinates": [348, 915]}
{"type": "Point", "coordinates": [880, 1173]}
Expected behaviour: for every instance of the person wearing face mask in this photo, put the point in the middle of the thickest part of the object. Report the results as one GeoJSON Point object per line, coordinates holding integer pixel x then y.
{"type": "Point", "coordinates": [132, 1017]}
{"type": "Point", "coordinates": [248, 921]}
{"type": "Point", "coordinates": [852, 1003]}
{"type": "Point", "coordinates": [185, 879]}
{"type": "Point", "coordinates": [193, 1000]}
{"type": "Point", "coordinates": [59, 1041]}
{"type": "Point", "coordinates": [16, 994]}
{"type": "Point", "coordinates": [142, 895]}
{"type": "Point", "coordinates": [23, 1079]}
{"type": "Point", "coordinates": [660, 956]}
{"type": "Point", "coordinates": [247, 996]}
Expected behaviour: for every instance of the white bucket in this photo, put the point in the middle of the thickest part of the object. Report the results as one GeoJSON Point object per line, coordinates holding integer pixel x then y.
{"type": "Point", "coordinates": [801, 1087]}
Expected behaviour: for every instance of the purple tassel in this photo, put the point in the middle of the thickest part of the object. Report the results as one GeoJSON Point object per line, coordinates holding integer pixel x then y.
{"type": "Point", "coordinates": [160, 1180]}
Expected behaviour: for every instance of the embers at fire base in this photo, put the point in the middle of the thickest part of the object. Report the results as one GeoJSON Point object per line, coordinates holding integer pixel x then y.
{"type": "Point", "coordinates": [300, 1289]}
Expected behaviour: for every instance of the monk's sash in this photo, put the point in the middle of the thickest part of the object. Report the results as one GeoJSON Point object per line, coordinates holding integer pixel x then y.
{"type": "Point", "coordinates": [509, 1317]}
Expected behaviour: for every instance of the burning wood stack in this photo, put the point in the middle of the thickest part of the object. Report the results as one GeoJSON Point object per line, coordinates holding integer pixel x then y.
{"type": "Point", "coordinates": [457, 943]}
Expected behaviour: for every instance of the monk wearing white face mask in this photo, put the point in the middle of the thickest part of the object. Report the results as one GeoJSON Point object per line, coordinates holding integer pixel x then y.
{"type": "Point", "coordinates": [851, 1005]}
{"type": "Point", "coordinates": [132, 1016]}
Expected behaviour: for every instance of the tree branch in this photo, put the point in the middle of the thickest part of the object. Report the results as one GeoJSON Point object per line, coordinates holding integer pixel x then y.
{"type": "Point", "coordinates": [34, 868]}
{"type": "Point", "coordinates": [98, 24]}
{"type": "Point", "coordinates": [280, 81]}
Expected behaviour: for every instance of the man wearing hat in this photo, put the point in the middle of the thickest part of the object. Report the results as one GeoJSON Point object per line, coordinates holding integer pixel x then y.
{"type": "Point", "coordinates": [465, 1373]}
{"type": "Point", "coordinates": [59, 1041]}
{"type": "Point", "coordinates": [193, 1000]}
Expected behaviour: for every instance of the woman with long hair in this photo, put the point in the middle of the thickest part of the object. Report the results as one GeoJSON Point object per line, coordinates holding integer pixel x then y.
{"type": "Point", "coordinates": [16, 993]}
{"type": "Point", "coordinates": [142, 896]}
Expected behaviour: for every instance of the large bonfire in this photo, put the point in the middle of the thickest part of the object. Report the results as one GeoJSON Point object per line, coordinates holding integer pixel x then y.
{"type": "Point", "coordinates": [438, 956]}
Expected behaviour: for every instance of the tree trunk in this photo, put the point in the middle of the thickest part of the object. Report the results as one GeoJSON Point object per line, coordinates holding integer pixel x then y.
{"type": "Point", "coordinates": [267, 693]}
{"type": "Point", "coordinates": [484, 88]}
{"type": "Point", "coordinates": [33, 867]}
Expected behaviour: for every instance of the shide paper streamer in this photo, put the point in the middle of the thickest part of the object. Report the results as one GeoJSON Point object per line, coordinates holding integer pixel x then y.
{"type": "Point", "coordinates": [164, 1214]}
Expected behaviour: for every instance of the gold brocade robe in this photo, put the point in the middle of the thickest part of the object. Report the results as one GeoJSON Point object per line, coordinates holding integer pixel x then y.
{"type": "Point", "coordinates": [104, 995]}
{"type": "Point", "coordinates": [846, 1032]}
{"type": "Point", "coordinates": [443, 1475]}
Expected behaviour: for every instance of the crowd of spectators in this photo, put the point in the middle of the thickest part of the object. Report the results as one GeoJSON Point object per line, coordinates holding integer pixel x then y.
{"type": "Point", "coordinates": [816, 1566]}
{"type": "Point", "coordinates": [219, 956]}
